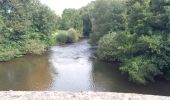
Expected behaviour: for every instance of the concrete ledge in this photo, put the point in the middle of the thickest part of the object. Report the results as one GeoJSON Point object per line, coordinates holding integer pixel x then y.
{"type": "Point", "coordinates": [12, 95]}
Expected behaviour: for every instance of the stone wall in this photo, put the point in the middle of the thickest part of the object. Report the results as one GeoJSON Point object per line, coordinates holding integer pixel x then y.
{"type": "Point", "coordinates": [12, 95]}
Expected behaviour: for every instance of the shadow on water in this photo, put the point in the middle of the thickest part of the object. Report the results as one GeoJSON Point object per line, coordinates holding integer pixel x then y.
{"type": "Point", "coordinates": [70, 68]}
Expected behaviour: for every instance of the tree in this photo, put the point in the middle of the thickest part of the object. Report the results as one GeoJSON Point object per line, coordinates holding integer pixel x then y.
{"type": "Point", "coordinates": [71, 18]}
{"type": "Point", "coordinates": [107, 15]}
{"type": "Point", "coordinates": [148, 21]}
{"type": "Point", "coordinates": [143, 47]}
{"type": "Point", "coordinates": [24, 22]}
{"type": "Point", "coordinates": [86, 17]}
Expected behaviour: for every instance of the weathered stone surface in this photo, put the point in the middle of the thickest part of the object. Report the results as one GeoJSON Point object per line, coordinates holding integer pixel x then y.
{"type": "Point", "coordinates": [13, 95]}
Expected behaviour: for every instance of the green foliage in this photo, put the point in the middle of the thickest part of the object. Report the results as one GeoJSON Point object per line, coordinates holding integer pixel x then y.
{"type": "Point", "coordinates": [140, 69]}
{"type": "Point", "coordinates": [130, 50]}
{"type": "Point", "coordinates": [86, 17]}
{"type": "Point", "coordinates": [71, 18]}
{"type": "Point", "coordinates": [73, 35]}
{"type": "Point", "coordinates": [143, 47]}
{"type": "Point", "coordinates": [87, 25]}
{"type": "Point", "coordinates": [35, 47]}
{"type": "Point", "coordinates": [26, 26]}
{"type": "Point", "coordinates": [62, 37]}
{"type": "Point", "coordinates": [137, 14]}
{"type": "Point", "coordinates": [116, 46]}
{"type": "Point", "coordinates": [106, 47]}
{"type": "Point", "coordinates": [106, 16]}
{"type": "Point", "coordinates": [133, 32]}
{"type": "Point", "coordinates": [70, 36]}
{"type": "Point", "coordinates": [152, 44]}
{"type": "Point", "coordinates": [9, 51]}
{"type": "Point", "coordinates": [149, 20]}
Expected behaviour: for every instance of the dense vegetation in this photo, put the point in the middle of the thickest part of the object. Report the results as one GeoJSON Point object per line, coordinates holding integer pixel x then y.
{"type": "Point", "coordinates": [29, 27]}
{"type": "Point", "coordinates": [67, 36]}
{"type": "Point", "coordinates": [26, 26]}
{"type": "Point", "coordinates": [135, 33]}
{"type": "Point", "coordinates": [71, 19]}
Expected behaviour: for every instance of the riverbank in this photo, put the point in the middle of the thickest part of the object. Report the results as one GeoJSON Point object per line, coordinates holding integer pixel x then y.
{"type": "Point", "coordinates": [12, 95]}
{"type": "Point", "coordinates": [71, 68]}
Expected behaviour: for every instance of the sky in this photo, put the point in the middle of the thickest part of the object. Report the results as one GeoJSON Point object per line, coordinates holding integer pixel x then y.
{"type": "Point", "coordinates": [59, 5]}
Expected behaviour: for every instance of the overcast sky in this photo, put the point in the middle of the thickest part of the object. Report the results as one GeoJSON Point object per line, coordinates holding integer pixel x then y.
{"type": "Point", "coordinates": [60, 5]}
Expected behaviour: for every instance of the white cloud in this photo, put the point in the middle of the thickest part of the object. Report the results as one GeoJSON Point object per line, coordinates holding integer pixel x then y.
{"type": "Point", "coordinates": [60, 5]}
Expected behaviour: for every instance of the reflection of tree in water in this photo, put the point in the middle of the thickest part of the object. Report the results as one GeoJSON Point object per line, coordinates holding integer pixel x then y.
{"type": "Point", "coordinates": [107, 77]}
{"type": "Point", "coordinates": [103, 76]}
{"type": "Point", "coordinates": [28, 73]}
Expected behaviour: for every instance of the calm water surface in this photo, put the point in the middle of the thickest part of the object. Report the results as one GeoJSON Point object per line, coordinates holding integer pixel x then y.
{"type": "Point", "coordinates": [70, 68]}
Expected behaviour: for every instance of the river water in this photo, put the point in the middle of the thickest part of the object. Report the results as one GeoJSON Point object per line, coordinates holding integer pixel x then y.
{"type": "Point", "coordinates": [70, 68]}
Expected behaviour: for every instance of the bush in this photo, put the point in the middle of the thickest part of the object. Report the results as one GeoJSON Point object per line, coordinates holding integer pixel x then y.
{"type": "Point", "coordinates": [116, 46]}
{"type": "Point", "coordinates": [12, 50]}
{"type": "Point", "coordinates": [94, 38]}
{"type": "Point", "coordinates": [143, 57]}
{"type": "Point", "coordinates": [73, 35]}
{"type": "Point", "coordinates": [35, 47]}
{"type": "Point", "coordinates": [9, 51]}
{"type": "Point", "coordinates": [106, 16]}
{"type": "Point", "coordinates": [62, 37]}
{"type": "Point", "coordinates": [140, 69]}
{"type": "Point", "coordinates": [25, 29]}
{"type": "Point", "coordinates": [70, 36]}
{"type": "Point", "coordinates": [52, 40]}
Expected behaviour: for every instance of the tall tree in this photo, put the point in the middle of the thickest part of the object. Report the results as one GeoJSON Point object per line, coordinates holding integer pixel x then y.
{"type": "Point", "coordinates": [71, 18]}
{"type": "Point", "coordinates": [107, 15]}
{"type": "Point", "coordinates": [26, 26]}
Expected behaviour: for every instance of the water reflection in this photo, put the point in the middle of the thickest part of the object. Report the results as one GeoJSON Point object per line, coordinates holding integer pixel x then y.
{"type": "Point", "coordinates": [73, 67]}
{"type": "Point", "coordinates": [107, 77]}
{"type": "Point", "coordinates": [28, 73]}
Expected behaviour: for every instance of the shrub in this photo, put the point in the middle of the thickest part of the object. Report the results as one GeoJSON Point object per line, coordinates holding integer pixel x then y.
{"type": "Point", "coordinates": [25, 29]}
{"type": "Point", "coordinates": [140, 69]}
{"type": "Point", "coordinates": [132, 51]}
{"type": "Point", "coordinates": [62, 37]}
{"type": "Point", "coordinates": [9, 51]}
{"type": "Point", "coordinates": [70, 36]}
{"type": "Point", "coordinates": [12, 50]}
{"type": "Point", "coordinates": [35, 47]}
{"type": "Point", "coordinates": [94, 38]}
{"type": "Point", "coordinates": [53, 40]}
{"type": "Point", "coordinates": [143, 57]}
{"type": "Point", "coordinates": [116, 46]}
{"type": "Point", "coordinates": [73, 35]}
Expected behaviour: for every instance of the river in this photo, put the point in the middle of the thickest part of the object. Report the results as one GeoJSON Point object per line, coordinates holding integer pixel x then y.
{"type": "Point", "coordinates": [70, 68]}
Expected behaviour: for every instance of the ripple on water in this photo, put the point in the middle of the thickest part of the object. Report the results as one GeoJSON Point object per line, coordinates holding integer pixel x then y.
{"type": "Point", "coordinates": [73, 67]}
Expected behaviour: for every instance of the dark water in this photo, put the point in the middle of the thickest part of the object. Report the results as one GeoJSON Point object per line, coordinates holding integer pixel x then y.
{"type": "Point", "coordinates": [70, 68]}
